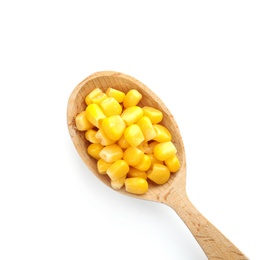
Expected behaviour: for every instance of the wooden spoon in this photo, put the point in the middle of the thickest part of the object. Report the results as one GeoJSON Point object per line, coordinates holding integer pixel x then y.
{"type": "Point", "coordinates": [173, 193]}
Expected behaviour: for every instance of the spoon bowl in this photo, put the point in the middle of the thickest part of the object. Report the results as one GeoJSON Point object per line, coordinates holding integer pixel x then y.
{"type": "Point", "coordinates": [173, 193]}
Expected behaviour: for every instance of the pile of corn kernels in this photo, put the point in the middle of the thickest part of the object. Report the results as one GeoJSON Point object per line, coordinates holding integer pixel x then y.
{"type": "Point", "coordinates": [128, 141]}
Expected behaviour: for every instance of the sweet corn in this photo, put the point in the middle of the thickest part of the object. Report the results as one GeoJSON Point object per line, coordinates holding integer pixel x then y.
{"type": "Point", "coordinates": [134, 135]}
{"type": "Point", "coordinates": [98, 99]}
{"type": "Point", "coordinates": [144, 164]}
{"type": "Point", "coordinates": [102, 166]}
{"type": "Point", "coordinates": [147, 128]}
{"type": "Point", "coordinates": [117, 170]}
{"type": "Point", "coordinates": [162, 133]}
{"type": "Point", "coordinates": [133, 172]}
{"type": "Point", "coordinates": [123, 143]}
{"type": "Point", "coordinates": [132, 114]}
{"type": "Point", "coordinates": [117, 94]}
{"type": "Point", "coordinates": [155, 115]}
{"type": "Point", "coordinates": [113, 127]}
{"type": "Point", "coordinates": [119, 183]}
{"type": "Point", "coordinates": [129, 144]}
{"type": "Point", "coordinates": [82, 123]}
{"type": "Point", "coordinates": [132, 98]}
{"type": "Point", "coordinates": [111, 153]}
{"type": "Point", "coordinates": [103, 138]}
{"type": "Point", "coordinates": [111, 107]}
{"type": "Point", "coordinates": [94, 150]}
{"type": "Point", "coordinates": [133, 155]}
{"type": "Point", "coordinates": [165, 150]}
{"type": "Point", "coordinates": [94, 114]}
{"type": "Point", "coordinates": [159, 173]}
{"type": "Point", "coordinates": [173, 163]}
{"type": "Point", "coordinates": [90, 136]}
{"type": "Point", "coordinates": [136, 185]}
{"type": "Point", "coordinates": [91, 95]}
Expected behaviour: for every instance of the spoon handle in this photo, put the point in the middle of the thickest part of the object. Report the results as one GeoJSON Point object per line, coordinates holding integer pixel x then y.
{"type": "Point", "coordinates": [212, 241]}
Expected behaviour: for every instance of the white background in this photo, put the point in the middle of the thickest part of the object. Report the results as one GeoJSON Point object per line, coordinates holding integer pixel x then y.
{"type": "Point", "coordinates": [211, 62]}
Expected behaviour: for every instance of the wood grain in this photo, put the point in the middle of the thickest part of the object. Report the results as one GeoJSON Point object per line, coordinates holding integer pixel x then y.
{"type": "Point", "coordinates": [173, 193]}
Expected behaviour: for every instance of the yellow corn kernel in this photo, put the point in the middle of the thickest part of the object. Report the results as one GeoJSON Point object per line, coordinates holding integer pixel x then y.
{"type": "Point", "coordinates": [111, 153]}
{"type": "Point", "coordinates": [94, 114]}
{"type": "Point", "coordinates": [102, 166]}
{"type": "Point", "coordinates": [151, 146]}
{"type": "Point", "coordinates": [147, 128]}
{"type": "Point", "coordinates": [94, 150]}
{"type": "Point", "coordinates": [133, 172]}
{"type": "Point", "coordinates": [99, 98]}
{"type": "Point", "coordinates": [154, 114]}
{"type": "Point", "coordinates": [134, 135]}
{"type": "Point", "coordinates": [123, 143]}
{"type": "Point", "coordinates": [117, 170]}
{"type": "Point", "coordinates": [119, 183]}
{"type": "Point", "coordinates": [153, 159]}
{"type": "Point", "coordinates": [133, 155]}
{"type": "Point", "coordinates": [90, 136]}
{"type": "Point", "coordinates": [103, 138]}
{"type": "Point", "coordinates": [173, 163]}
{"type": "Point", "coordinates": [144, 147]}
{"type": "Point", "coordinates": [144, 164]}
{"type": "Point", "coordinates": [165, 150]}
{"type": "Point", "coordinates": [132, 98]}
{"type": "Point", "coordinates": [159, 173]}
{"type": "Point", "coordinates": [82, 123]}
{"type": "Point", "coordinates": [111, 107]}
{"type": "Point", "coordinates": [91, 95]}
{"type": "Point", "coordinates": [162, 133]}
{"type": "Point", "coordinates": [117, 94]}
{"type": "Point", "coordinates": [132, 114]}
{"type": "Point", "coordinates": [113, 127]}
{"type": "Point", "coordinates": [136, 185]}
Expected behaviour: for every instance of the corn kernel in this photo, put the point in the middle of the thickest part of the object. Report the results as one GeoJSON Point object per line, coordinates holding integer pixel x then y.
{"type": "Point", "coordinates": [90, 136]}
{"type": "Point", "coordinates": [162, 133]}
{"type": "Point", "coordinates": [134, 135]}
{"type": "Point", "coordinates": [136, 185]}
{"type": "Point", "coordinates": [118, 95]}
{"type": "Point", "coordinates": [117, 170]}
{"type": "Point", "coordinates": [94, 150]}
{"type": "Point", "coordinates": [144, 147]}
{"type": "Point", "coordinates": [159, 173]}
{"type": "Point", "coordinates": [153, 159]}
{"type": "Point", "coordinates": [82, 123]}
{"type": "Point", "coordinates": [102, 166]}
{"type": "Point", "coordinates": [119, 183]}
{"type": "Point", "coordinates": [111, 153]}
{"type": "Point", "coordinates": [94, 114]}
{"type": "Point", "coordinates": [147, 128]}
{"type": "Point", "coordinates": [144, 164]}
{"type": "Point", "coordinates": [132, 114]}
{"type": "Point", "coordinates": [165, 150]}
{"type": "Point", "coordinates": [173, 163]}
{"type": "Point", "coordinates": [91, 95]}
{"type": "Point", "coordinates": [133, 172]}
{"type": "Point", "coordinates": [103, 138]}
{"type": "Point", "coordinates": [123, 143]}
{"type": "Point", "coordinates": [151, 146]}
{"type": "Point", "coordinates": [154, 114]}
{"type": "Point", "coordinates": [99, 98]}
{"type": "Point", "coordinates": [113, 127]}
{"type": "Point", "coordinates": [111, 107]}
{"type": "Point", "coordinates": [133, 155]}
{"type": "Point", "coordinates": [132, 98]}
